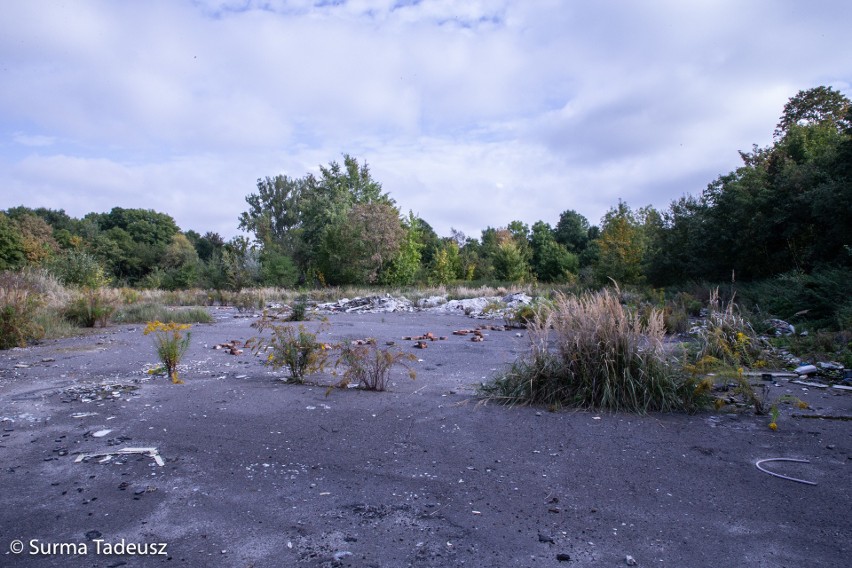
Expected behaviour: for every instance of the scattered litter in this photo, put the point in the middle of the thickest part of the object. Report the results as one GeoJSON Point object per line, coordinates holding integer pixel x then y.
{"type": "Point", "coordinates": [150, 452]}
{"type": "Point", "coordinates": [83, 414]}
{"type": "Point", "coordinates": [21, 366]}
{"type": "Point", "coordinates": [783, 476]}
{"type": "Point", "coordinates": [630, 561]}
{"type": "Point", "coordinates": [232, 347]}
{"type": "Point", "coordinates": [806, 370]}
{"type": "Point", "coordinates": [100, 433]}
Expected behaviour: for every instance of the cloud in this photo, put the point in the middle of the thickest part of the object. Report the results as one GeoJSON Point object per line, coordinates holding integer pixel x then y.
{"type": "Point", "coordinates": [472, 114]}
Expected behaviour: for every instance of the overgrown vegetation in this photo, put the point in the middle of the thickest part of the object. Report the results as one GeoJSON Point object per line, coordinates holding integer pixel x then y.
{"type": "Point", "coordinates": [590, 351]}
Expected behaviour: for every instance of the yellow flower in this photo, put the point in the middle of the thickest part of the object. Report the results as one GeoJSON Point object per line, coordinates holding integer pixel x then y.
{"type": "Point", "coordinates": [773, 426]}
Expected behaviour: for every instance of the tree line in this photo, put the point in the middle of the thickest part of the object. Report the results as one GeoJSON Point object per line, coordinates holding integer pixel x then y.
{"type": "Point", "coordinates": [788, 207]}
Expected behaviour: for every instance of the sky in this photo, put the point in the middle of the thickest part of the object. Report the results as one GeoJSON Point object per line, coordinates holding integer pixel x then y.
{"type": "Point", "coordinates": [469, 113]}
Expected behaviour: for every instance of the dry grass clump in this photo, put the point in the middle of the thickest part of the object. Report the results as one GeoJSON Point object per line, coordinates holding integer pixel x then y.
{"type": "Point", "coordinates": [589, 351]}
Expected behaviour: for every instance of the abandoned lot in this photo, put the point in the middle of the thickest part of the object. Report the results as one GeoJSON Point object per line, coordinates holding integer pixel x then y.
{"type": "Point", "coordinates": [258, 473]}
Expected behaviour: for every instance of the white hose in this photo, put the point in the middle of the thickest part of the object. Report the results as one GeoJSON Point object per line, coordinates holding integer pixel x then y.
{"type": "Point", "coordinates": [783, 476]}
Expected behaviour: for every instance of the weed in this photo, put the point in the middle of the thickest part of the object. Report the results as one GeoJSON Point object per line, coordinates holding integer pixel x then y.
{"type": "Point", "coordinates": [171, 341]}
{"type": "Point", "coordinates": [292, 347]}
{"type": "Point", "coordinates": [727, 336]}
{"type": "Point", "coordinates": [369, 366]}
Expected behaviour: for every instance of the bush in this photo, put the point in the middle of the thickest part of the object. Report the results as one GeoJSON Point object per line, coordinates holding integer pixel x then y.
{"type": "Point", "coordinates": [92, 306]}
{"type": "Point", "coordinates": [171, 344]}
{"type": "Point", "coordinates": [370, 366]}
{"type": "Point", "coordinates": [605, 357]}
{"type": "Point", "coordinates": [19, 305]}
{"type": "Point", "coordinates": [295, 348]}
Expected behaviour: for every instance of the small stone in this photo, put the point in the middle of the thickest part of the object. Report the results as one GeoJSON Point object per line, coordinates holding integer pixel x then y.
{"type": "Point", "coordinates": [562, 557]}
{"type": "Point", "coordinates": [92, 535]}
{"type": "Point", "coordinates": [630, 561]}
{"type": "Point", "coordinates": [545, 538]}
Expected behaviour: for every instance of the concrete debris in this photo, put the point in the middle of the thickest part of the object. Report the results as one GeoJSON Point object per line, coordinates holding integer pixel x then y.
{"type": "Point", "coordinates": [806, 370]}
{"type": "Point", "coordinates": [780, 327]}
{"type": "Point", "coordinates": [370, 304]}
{"type": "Point", "coordinates": [100, 433]}
{"type": "Point", "coordinates": [150, 452]}
{"type": "Point", "coordinates": [92, 392]}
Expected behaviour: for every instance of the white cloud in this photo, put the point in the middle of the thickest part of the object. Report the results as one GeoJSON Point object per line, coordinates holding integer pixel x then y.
{"type": "Point", "coordinates": [470, 113]}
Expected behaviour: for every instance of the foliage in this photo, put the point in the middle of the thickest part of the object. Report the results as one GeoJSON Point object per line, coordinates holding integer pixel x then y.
{"type": "Point", "coordinates": [402, 269]}
{"type": "Point", "coordinates": [370, 366]}
{"type": "Point", "coordinates": [12, 254]}
{"type": "Point", "coordinates": [90, 307]}
{"type": "Point", "coordinates": [78, 268]}
{"type": "Point", "coordinates": [623, 244]}
{"type": "Point", "coordinates": [605, 357]}
{"type": "Point", "coordinates": [445, 264]}
{"type": "Point", "coordinates": [295, 348]}
{"type": "Point", "coordinates": [171, 341]}
{"type": "Point", "coordinates": [818, 106]}
{"type": "Point", "coordinates": [19, 304]}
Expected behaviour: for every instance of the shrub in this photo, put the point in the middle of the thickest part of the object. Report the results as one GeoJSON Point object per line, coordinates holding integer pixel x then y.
{"type": "Point", "coordinates": [370, 366]}
{"type": "Point", "coordinates": [91, 306]}
{"type": "Point", "coordinates": [19, 305]}
{"type": "Point", "coordinates": [295, 348]}
{"type": "Point", "coordinates": [171, 343]}
{"type": "Point", "coordinates": [605, 357]}
{"type": "Point", "coordinates": [299, 310]}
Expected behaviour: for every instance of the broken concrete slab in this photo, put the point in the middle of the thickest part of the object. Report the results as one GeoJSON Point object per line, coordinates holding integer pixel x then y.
{"type": "Point", "coordinates": [151, 452]}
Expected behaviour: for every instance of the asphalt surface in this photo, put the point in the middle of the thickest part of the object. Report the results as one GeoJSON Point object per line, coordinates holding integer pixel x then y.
{"type": "Point", "coordinates": [258, 473]}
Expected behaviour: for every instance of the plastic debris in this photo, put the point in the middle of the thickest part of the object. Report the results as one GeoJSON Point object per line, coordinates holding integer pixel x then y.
{"type": "Point", "coordinates": [759, 462]}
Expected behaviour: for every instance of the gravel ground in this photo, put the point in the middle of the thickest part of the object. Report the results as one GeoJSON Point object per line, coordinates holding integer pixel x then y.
{"type": "Point", "coordinates": [258, 473]}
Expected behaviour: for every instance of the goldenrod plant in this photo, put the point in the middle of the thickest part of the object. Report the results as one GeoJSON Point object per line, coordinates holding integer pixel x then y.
{"type": "Point", "coordinates": [172, 341]}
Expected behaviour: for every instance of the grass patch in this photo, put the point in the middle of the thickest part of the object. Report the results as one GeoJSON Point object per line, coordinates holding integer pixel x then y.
{"type": "Point", "coordinates": [589, 351]}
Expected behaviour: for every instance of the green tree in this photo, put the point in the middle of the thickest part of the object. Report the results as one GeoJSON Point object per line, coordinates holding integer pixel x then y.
{"type": "Point", "coordinates": [12, 254]}
{"type": "Point", "coordinates": [623, 244]}
{"type": "Point", "coordinates": [274, 211]}
{"type": "Point", "coordinates": [572, 231]}
{"type": "Point", "coordinates": [403, 268]}
{"type": "Point", "coordinates": [551, 261]}
{"type": "Point", "coordinates": [818, 106]}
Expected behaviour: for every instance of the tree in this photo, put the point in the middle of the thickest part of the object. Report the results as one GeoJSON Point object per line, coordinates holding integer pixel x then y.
{"type": "Point", "coordinates": [357, 249]}
{"type": "Point", "coordinates": [551, 261]}
{"type": "Point", "coordinates": [818, 106]}
{"type": "Point", "coordinates": [402, 270]}
{"type": "Point", "coordinates": [572, 231]}
{"type": "Point", "coordinates": [274, 213]}
{"type": "Point", "coordinates": [623, 244]}
{"type": "Point", "coordinates": [11, 245]}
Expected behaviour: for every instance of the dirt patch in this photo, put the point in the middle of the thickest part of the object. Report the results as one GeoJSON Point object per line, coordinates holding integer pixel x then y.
{"type": "Point", "coordinates": [259, 473]}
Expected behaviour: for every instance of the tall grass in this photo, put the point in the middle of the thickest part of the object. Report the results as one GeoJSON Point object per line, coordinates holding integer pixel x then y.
{"type": "Point", "coordinates": [589, 351]}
